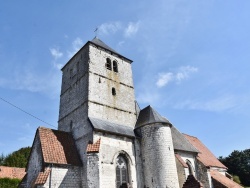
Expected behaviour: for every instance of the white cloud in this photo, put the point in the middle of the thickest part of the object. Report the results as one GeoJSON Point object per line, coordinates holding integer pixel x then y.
{"type": "Point", "coordinates": [121, 43]}
{"type": "Point", "coordinates": [56, 53]}
{"type": "Point", "coordinates": [76, 45]}
{"type": "Point", "coordinates": [109, 28]}
{"type": "Point", "coordinates": [164, 79]}
{"type": "Point", "coordinates": [33, 81]}
{"type": "Point", "coordinates": [216, 105]}
{"type": "Point", "coordinates": [184, 72]}
{"type": "Point", "coordinates": [113, 27]}
{"type": "Point", "coordinates": [148, 97]}
{"type": "Point", "coordinates": [181, 74]}
{"type": "Point", "coordinates": [131, 29]}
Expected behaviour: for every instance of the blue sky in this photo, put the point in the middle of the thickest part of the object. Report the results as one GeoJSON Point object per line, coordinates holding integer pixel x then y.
{"type": "Point", "coordinates": [191, 62]}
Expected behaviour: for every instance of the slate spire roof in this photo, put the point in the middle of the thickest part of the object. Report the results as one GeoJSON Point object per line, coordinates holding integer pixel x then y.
{"type": "Point", "coordinates": [100, 43]}
{"type": "Point", "coordinates": [96, 41]}
{"type": "Point", "coordinates": [149, 115]}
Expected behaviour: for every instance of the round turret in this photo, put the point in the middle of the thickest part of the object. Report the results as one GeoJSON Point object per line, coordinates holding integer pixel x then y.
{"type": "Point", "coordinates": [157, 149]}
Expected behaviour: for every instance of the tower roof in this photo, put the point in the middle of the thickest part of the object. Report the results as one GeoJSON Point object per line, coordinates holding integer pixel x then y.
{"type": "Point", "coordinates": [100, 43]}
{"type": "Point", "coordinates": [96, 41]}
{"type": "Point", "coordinates": [149, 115]}
{"type": "Point", "coordinates": [180, 142]}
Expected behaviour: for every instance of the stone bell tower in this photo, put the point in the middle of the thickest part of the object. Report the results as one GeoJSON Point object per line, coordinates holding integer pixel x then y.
{"type": "Point", "coordinates": [97, 102]}
{"type": "Point", "coordinates": [97, 82]}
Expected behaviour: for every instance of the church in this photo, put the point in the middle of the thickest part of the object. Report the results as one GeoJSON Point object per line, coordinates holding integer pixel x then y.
{"type": "Point", "coordinates": [104, 139]}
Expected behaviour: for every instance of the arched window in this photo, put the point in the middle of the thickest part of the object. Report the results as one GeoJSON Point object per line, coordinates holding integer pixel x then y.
{"type": "Point", "coordinates": [121, 172]}
{"type": "Point", "coordinates": [108, 64]}
{"type": "Point", "coordinates": [190, 168]}
{"type": "Point", "coordinates": [115, 66]}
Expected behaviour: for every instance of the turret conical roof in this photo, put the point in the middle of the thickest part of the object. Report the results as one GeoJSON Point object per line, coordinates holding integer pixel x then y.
{"type": "Point", "coordinates": [149, 115]}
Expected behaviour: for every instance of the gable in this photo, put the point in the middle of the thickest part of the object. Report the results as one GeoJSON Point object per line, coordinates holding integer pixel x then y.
{"type": "Point", "coordinates": [58, 147]}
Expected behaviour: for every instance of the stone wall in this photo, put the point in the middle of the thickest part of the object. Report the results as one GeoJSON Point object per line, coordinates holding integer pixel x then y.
{"type": "Point", "coordinates": [181, 173]}
{"type": "Point", "coordinates": [158, 156]}
{"type": "Point", "coordinates": [35, 162]}
{"type": "Point", "coordinates": [68, 176]}
{"type": "Point", "coordinates": [93, 167]}
{"type": "Point", "coordinates": [74, 91]}
{"type": "Point", "coordinates": [118, 108]}
{"type": "Point", "coordinates": [111, 146]}
{"type": "Point", "coordinates": [191, 157]}
{"type": "Point", "coordinates": [203, 175]}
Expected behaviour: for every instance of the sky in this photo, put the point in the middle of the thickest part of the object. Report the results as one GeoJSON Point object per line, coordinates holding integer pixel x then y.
{"type": "Point", "coordinates": [190, 63]}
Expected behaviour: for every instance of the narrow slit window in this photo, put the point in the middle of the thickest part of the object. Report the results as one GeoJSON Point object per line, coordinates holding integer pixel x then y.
{"type": "Point", "coordinates": [113, 91]}
{"type": "Point", "coordinates": [108, 64]}
{"type": "Point", "coordinates": [115, 66]}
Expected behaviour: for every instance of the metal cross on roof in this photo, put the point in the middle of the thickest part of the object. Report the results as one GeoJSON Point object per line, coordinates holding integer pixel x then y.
{"type": "Point", "coordinates": [96, 31]}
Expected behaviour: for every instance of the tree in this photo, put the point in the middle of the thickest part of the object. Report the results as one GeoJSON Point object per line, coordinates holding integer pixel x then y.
{"type": "Point", "coordinates": [238, 163]}
{"type": "Point", "coordinates": [237, 179]}
{"type": "Point", "coordinates": [1, 159]}
{"type": "Point", "coordinates": [18, 158]}
{"type": "Point", "coordinates": [10, 183]}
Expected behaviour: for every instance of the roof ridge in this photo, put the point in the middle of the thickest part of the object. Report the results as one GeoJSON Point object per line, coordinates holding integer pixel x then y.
{"type": "Point", "coordinates": [190, 135]}
{"type": "Point", "coordinates": [45, 128]}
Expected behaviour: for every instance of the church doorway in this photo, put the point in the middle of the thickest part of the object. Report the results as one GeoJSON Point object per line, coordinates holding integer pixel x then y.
{"type": "Point", "coordinates": [122, 178]}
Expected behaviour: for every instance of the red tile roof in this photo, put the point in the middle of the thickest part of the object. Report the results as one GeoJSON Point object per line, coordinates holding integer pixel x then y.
{"type": "Point", "coordinates": [205, 156]}
{"type": "Point", "coordinates": [12, 172]}
{"type": "Point", "coordinates": [42, 177]}
{"type": "Point", "coordinates": [218, 177]}
{"type": "Point", "coordinates": [181, 160]}
{"type": "Point", "coordinates": [58, 147]}
{"type": "Point", "coordinates": [94, 148]}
